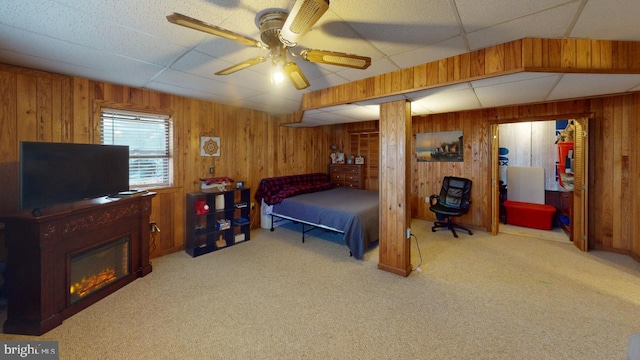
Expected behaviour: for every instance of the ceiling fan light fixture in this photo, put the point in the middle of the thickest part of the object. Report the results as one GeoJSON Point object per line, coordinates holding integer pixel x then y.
{"type": "Point", "coordinates": [303, 16]}
{"type": "Point", "coordinates": [277, 72]}
{"type": "Point", "coordinates": [242, 65]}
{"type": "Point", "coordinates": [296, 76]}
{"type": "Point", "coordinates": [336, 58]}
{"type": "Point", "coordinates": [196, 24]}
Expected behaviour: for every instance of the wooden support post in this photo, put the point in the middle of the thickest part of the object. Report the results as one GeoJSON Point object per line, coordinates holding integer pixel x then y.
{"type": "Point", "coordinates": [395, 205]}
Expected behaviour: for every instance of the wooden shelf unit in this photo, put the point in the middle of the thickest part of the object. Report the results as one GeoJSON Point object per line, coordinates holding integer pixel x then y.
{"type": "Point", "coordinates": [226, 222]}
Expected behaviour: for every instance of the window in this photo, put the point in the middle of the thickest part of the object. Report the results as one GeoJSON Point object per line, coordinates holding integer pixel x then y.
{"type": "Point", "coordinates": [149, 139]}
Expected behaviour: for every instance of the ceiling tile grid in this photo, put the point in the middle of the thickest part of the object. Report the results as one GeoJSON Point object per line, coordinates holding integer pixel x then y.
{"type": "Point", "coordinates": [130, 42]}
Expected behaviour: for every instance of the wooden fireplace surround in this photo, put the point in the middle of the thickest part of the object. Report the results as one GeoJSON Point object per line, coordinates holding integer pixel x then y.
{"type": "Point", "coordinates": [40, 247]}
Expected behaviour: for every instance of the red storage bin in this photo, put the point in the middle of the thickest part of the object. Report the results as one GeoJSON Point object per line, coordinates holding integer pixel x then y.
{"type": "Point", "coordinates": [535, 216]}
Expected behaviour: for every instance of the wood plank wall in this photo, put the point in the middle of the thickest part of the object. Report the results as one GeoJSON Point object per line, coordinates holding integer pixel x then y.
{"type": "Point", "coordinates": [529, 54]}
{"type": "Point", "coordinates": [37, 105]}
{"type": "Point", "coordinates": [614, 163]}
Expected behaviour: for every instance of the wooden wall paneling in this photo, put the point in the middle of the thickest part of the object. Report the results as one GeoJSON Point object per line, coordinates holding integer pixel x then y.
{"type": "Point", "coordinates": [81, 111]}
{"type": "Point", "coordinates": [569, 53]}
{"type": "Point", "coordinates": [27, 107]}
{"type": "Point", "coordinates": [395, 209]}
{"type": "Point", "coordinates": [9, 143]}
{"type": "Point", "coordinates": [584, 53]}
{"type": "Point", "coordinates": [618, 171]}
{"type": "Point", "coordinates": [71, 101]}
{"type": "Point", "coordinates": [606, 152]}
{"type": "Point", "coordinates": [634, 175]}
{"type": "Point", "coordinates": [44, 104]}
{"type": "Point", "coordinates": [57, 119]}
{"type": "Point", "coordinates": [494, 59]}
{"type": "Point", "coordinates": [208, 123]}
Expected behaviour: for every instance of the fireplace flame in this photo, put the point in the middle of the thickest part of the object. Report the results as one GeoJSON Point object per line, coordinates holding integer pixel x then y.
{"type": "Point", "coordinates": [94, 282]}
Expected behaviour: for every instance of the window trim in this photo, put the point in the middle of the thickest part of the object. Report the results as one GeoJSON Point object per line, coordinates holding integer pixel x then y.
{"type": "Point", "coordinates": [101, 106]}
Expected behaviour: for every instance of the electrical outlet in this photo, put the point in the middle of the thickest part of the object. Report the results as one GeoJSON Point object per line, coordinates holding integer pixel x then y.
{"type": "Point", "coordinates": [154, 227]}
{"type": "Point", "coordinates": [408, 233]}
{"type": "Point", "coordinates": [211, 170]}
{"type": "Point", "coordinates": [253, 205]}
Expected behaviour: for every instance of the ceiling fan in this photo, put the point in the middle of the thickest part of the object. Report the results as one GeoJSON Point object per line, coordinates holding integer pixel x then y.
{"type": "Point", "coordinates": [280, 33]}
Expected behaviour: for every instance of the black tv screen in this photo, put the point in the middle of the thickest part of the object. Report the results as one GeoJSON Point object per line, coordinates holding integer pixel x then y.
{"type": "Point", "coordinates": [54, 173]}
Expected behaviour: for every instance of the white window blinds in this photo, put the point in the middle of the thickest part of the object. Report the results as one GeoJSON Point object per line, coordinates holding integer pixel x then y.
{"type": "Point", "coordinates": [149, 139]}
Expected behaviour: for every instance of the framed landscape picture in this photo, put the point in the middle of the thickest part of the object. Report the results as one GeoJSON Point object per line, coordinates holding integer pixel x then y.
{"type": "Point", "coordinates": [445, 146]}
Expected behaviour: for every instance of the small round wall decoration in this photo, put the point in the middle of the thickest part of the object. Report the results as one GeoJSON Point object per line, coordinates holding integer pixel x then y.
{"type": "Point", "coordinates": [209, 146]}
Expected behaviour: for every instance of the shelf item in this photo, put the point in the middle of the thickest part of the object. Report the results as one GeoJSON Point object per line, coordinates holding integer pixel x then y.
{"type": "Point", "coordinates": [349, 176]}
{"type": "Point", "coordinates": [224, 223]}
{"type": "Point", "coordinates": [566, 212]}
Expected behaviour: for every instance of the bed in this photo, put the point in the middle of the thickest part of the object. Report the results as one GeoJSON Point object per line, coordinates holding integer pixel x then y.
{"type": "Point", "coordinates": [314, 202]}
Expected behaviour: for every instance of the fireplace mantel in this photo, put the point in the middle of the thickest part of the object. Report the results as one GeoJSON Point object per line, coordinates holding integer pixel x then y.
{"type": "Point", "coordinates": [40, 247]}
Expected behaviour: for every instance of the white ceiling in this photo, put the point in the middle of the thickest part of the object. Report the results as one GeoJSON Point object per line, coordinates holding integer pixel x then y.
{"type": "Point", "coordinates": [130, 42]}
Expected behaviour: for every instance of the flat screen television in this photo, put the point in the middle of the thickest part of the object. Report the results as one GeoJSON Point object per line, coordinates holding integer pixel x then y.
{"type": "Point", "coordinates": [55, 173]}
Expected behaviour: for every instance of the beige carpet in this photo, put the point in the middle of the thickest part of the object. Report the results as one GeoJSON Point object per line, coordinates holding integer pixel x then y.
{"type": "Point", "coordinates": [477, 297]}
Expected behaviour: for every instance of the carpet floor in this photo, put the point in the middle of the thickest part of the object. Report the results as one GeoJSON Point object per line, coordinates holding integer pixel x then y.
{"type": "Point", "coordinates": [274, 297]}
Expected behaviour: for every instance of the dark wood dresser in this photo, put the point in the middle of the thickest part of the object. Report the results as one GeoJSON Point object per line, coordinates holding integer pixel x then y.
{"type": "Point", "coordinates": [349, 176]}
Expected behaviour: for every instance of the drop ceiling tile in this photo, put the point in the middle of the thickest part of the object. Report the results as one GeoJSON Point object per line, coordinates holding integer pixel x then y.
{"type": "Point", "coordinates": [356, 112]}
{"type": "Point", "coordinates": [498, 80]}
{"type": "Point", "coordinates": [429, 53]}
{"type": "Point", "coordinates": [419, 95]}
{"type": "Point", "coordinates": [551, 23]}
{"type": "Point", "coordinates": [188, 92]}
{"type": "Point", "coordinates": [534, 89]}
{"type": "Point", "coordinates": [325, 117]}
{"type": "Point", "coordinates": [494, 12]}
{"type": "Point", "coordinates": [379, 101]}
{"type": "Point", "coordinates": [201, 84]}
{"type": "Point", "coordinates": [609, 20]}
{"type": "Point", "coordinates": [380, 66]}
{"type": "Point", "coordinates": [447, 101]}
{"type": "Point", "coordinates": [581, 85]}
{"type": "Point", "coordinates": [277, 104]}
{"type": "Point", "coordinates": [395, 29]}
{"type": "Point", "coordinates": [333, 34]}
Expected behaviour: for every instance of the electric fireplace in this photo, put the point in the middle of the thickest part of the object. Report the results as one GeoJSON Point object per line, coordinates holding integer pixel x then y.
{"type": "Point", "coordinates": [66, 258]}
{"type": "Point", "coordinates": [96, 268]}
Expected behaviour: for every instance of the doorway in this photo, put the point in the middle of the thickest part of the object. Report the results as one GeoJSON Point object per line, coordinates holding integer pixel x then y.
{"type": "Point", "coordinates": [536, 146]}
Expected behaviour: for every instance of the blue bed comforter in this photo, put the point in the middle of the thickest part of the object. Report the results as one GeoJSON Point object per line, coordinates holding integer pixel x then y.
{"type": "Point", "coordinates": [352, 211]}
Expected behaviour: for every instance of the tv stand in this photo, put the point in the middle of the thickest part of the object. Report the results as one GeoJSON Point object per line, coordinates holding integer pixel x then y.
{"type": "Point", "coordinates": [41, 250]}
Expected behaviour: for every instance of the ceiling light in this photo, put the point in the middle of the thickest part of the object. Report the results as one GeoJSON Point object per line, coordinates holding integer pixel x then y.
{"type": "Point", "coordinates": [277, 75]}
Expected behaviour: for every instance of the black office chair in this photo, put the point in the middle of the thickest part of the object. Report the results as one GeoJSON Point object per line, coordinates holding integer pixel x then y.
{"type": "Point", "coordinates": [453, 201]}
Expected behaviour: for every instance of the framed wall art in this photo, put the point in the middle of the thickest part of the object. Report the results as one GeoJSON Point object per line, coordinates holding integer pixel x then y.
{"type": "Point", "coordinates": [444, 146]}
{"type": "Point", "coordinates": [209, 146]}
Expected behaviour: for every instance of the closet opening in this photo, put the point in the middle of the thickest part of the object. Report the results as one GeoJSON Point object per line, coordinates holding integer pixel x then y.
{"type": "Point", "coordinates": [535, 179]}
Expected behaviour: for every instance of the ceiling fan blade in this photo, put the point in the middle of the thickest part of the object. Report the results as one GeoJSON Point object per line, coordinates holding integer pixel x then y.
{"type": "Point", "coordinates": [303, 16]}
{"type": "Point", "coordinates": [242, 65]}
{"type": "Point", "coordinates": [196, 24]}
{"type": "Point", "coordinates": [295, 75]}
{"type": "Point", "coordinates": [336, 58]}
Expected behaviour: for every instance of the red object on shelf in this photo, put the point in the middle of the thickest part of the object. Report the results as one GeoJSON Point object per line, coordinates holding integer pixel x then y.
{"type": "Point", "coordinates": [560, 172]}
{"type": "Point", "coordinates": [563, 151]}
{"type": "Point", "coordinates": [537, 216]}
